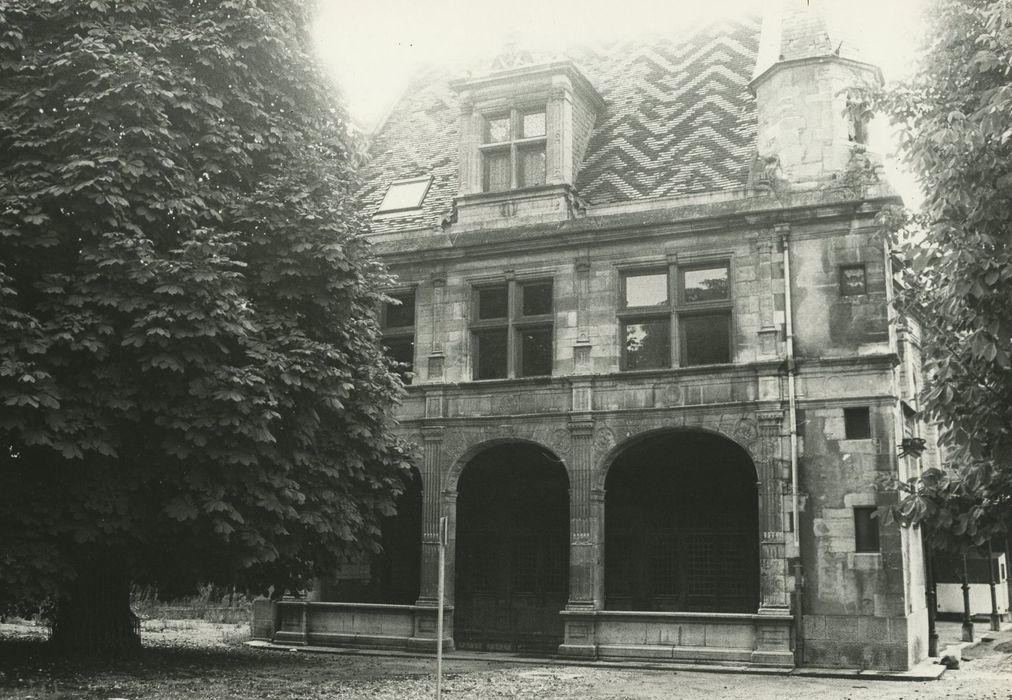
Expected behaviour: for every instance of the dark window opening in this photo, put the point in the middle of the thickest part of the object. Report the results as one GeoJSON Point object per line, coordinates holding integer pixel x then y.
{"type": "Point", "coordinates": [402, 313]}
{"type": "Point", "coordinates": [514, 151]}
{"type": "Point", "coordinates": [852, 280]}
{"type": "Point", "coordinates": [706, 340]}
{"type": "Point", "coordinates": [492, 354]}
{"type": "Point", "coordinates": [531, 166]}
{"type": "Point", "coordinates": [493, 302]}
{"type": "Point", "coordinates": [497, 176]}
{"type": "Point", "coordinates": [399, 333]}
{"type": "Point", "coordinates": [537, 299]}
{"type": "Point", "coordinates": [866, 533]}
{"type": "Point", "coordinates": [700, 311]}
{"type": "Point", "coordinates": [402, 351]}
{"type": "Point", "coordinates": [536, 352]}
{"type": "Point", "coordinates": [857, 423]}
{"type": "Point", "coordinates": [513, 330]}
{"type": "Point", "coordinates": [647, 344]}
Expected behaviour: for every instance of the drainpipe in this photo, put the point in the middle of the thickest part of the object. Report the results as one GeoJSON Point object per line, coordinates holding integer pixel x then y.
{"type": "Point", "coordinates": [799, 653]}
{"type": "Point", "coordinates": [791, 391]}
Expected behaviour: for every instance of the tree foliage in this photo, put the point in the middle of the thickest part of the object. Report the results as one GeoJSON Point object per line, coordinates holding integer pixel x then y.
{"type": "Point", "coordinates": [955, 128]}
{"type": "Point", "coordinates": [191, 381]}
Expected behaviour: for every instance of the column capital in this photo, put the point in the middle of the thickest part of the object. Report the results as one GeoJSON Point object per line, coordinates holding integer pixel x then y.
{"type": "Point", "coordinates": [770, 418]}
{"type": "Point", "coordinates": [433, 433]}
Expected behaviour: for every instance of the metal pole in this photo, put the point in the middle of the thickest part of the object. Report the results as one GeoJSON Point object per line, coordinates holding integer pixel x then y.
{"type": "Point", "coordinates": [930, 594]}
{"type": "Point", "coordinates": [995, 617]}
{"type": "Point", "coordinates": [439, 608]}
{"type": "Point", "coordinates": [967, 622]}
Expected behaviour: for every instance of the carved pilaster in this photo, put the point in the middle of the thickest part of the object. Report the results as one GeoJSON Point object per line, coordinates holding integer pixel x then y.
{"type": "Point", "coordinates": [581, 284]}
{"type": "Point", "coordinates": [438, 280]}
{"type": "Point", "coordinates": [769, 332]}
{"type": "Point", "coordinates": [774, 593]}
{"type": "Point", "coordinates": [432, 438]}
{"type": "Point", "coordinates": [585, 543]}
{"type": "Point", "coordinates": [470, 157]}
{"type": "Point", "coordinates": [559, 153]}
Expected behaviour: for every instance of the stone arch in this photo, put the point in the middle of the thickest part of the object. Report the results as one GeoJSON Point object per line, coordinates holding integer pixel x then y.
{"type": "Point", "coordinates": [509, 530]}
{"type": "Point", "coordinates": [740, 429]}
{"type": "Point", "coordinates": [682, 523]}
{"type": "Point", "coordinates": [458, 462]}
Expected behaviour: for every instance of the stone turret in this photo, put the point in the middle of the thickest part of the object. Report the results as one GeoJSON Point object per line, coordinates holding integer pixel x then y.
{"type": "Point", "coordinates": [806, 64]}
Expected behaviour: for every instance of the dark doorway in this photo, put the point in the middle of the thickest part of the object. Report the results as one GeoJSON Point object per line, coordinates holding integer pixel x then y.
{"type": "Point", "coordinates": [682, 526]}
{"type": "Point", "coordinates": [512, 551]}
{"type": "Point", "coordinates": [392, 576]}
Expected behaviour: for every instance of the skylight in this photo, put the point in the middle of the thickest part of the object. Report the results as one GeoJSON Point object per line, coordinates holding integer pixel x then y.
{"type": "Point", "coordinates": [405, 195]}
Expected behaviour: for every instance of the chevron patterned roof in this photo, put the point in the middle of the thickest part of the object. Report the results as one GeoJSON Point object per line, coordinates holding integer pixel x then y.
{"type": "Point", "coordinates": [679, 119]}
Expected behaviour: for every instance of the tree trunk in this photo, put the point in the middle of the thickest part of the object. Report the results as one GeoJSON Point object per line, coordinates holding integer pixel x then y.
{"type": "Point", "coordinates": [94, 615]}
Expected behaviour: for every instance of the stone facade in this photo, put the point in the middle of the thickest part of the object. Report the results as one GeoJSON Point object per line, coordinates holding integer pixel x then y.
{"type": "Point", "coordinates": [756, 188]}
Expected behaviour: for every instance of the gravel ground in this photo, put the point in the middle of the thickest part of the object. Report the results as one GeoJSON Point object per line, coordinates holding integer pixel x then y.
{"type": "Point", "coordinates": [193, 659]}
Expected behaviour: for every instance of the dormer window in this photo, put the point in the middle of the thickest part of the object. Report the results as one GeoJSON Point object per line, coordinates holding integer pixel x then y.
{"type": "Point", "coordinates": [405, 195]}
{"type": "Point", "coordinates": [513, 150]}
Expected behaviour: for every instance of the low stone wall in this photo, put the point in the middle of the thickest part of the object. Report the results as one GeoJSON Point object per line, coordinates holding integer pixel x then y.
{"type": "Point", "coordinates": [360, 625]}
{"type": "Point", "coordinates": [864, 641]}
{"type": "Point", "coordinates": [759, 640]}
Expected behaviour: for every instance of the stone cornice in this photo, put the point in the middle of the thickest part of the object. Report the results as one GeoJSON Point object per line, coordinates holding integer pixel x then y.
{"type": "Point", "coordinates": [747, 213]}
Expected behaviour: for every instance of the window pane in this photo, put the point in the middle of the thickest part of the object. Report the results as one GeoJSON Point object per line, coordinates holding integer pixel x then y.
{"type": "Point", "coordinates": [492, 303]}
{"type": "Point", "coordinates": [402, 351]}
{"type": "Point", "coordinates": [536, 351]}
{"type": "Point", "coordinates": [852, 280]}
{"type": "Point", "coordinates": [647, 344]}
{"type": "Point", "coordinates": [404, 195]}
{"type": "Point", "coordinates": [705, 285]}
{"type": "Point", "coordinates": [497, 171]}
{"type": "Point", "coordinates": [403, 314]}
{"type": "Point", "coordinates": [866, 534]}
{"type": "Point", "coordinates": [532, 166]}
{"type": "Point", "coordinates": [491, 349]}
{"type": "Point", "coordinates": [537, 298]}
{"type": "Point", "coordinates": [498, 130]}
{"type": "Point", "coordinates": [857, 423]}
{"type": "Point", "coordinates": [534, 124]}
{"type": "Point", "coordinates": [706, 339]}
{"type": "Point", "coordinates": [646, 290]}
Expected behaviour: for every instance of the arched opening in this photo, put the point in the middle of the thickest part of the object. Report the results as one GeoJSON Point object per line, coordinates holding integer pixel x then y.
{"type": "Point", "coordinates": [512, 539]}
{"type": "Point", "coordinates": [682, 526]}
{"type": "Point", "coordinates": [393, 575]}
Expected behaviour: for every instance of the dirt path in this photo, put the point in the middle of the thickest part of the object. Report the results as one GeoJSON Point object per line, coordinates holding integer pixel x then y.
{"type": "Point", "coordinates": [192, 659]}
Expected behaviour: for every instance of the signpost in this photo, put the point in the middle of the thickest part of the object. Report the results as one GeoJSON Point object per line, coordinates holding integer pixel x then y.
{"type": "Point", "coordinates": [439, 608]}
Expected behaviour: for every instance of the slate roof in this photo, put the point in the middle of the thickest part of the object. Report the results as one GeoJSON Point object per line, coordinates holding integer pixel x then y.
{"type": "Point", "coordinates": [679, 119]}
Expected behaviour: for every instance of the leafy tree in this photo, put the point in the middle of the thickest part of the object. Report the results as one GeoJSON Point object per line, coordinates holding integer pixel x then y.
{"type": "Point", "coordinates": [954, 130]}
{"type": "Point", "coordinates": [191, 382]}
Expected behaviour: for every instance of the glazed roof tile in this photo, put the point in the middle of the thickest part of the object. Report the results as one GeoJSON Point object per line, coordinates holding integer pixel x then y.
{"type": "Point", "coordinates": [679, 119]}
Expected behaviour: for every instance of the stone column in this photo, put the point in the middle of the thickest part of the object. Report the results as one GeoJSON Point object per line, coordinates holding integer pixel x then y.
{"type": "Point", "coordinates": [432, 492]}
{"type": "Point", "coordinates": [769, 332]}
{"type": "Point", "coordinates": [774, 595]}
{"type": "Point", "coordinates": [584, 543]}
{"type": "Point", "coordinates": [435, 368]}
{"type": "Point", "coordinates": [470, 157]}
{"type": "Point", "coordinates": [581, 282]}
{"type": "Point", "coordinates": [559, 132]}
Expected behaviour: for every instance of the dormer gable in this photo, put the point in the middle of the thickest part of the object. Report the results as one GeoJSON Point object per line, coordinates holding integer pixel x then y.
{"type": "Point", "coordinates": [523, 132]}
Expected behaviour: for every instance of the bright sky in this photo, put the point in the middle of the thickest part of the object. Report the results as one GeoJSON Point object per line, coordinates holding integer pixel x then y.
{"type": "Point", "coordinates": [373, 47]}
